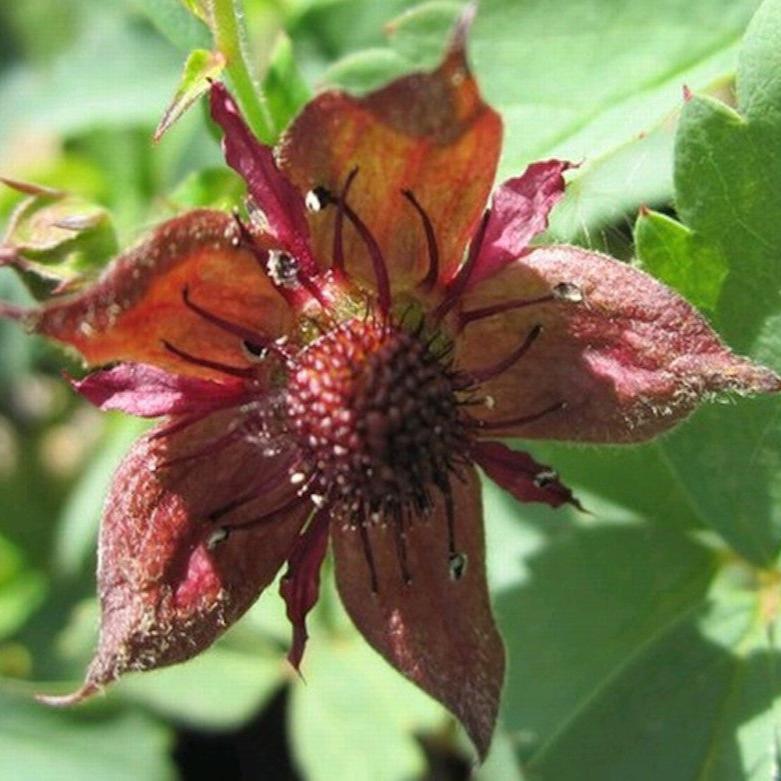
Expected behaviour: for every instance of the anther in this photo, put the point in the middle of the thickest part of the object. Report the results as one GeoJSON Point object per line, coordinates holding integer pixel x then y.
{"type": "Point", "coordinates": [567, 291]}
{"type": "Point", "coordinates": [217, 537]}
{"type": "Point", "coordinates": [546, 477]}
{"type": "Point", "coordinates": [317, 199]}
{"type": "Point", "coordinates": [282, 268]}
{"type": "Point", "coordinates": [457, 565]}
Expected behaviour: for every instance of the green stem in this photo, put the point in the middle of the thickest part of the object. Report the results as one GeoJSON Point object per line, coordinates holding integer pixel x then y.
{"type": "Point", "coordinates": [231, 40]}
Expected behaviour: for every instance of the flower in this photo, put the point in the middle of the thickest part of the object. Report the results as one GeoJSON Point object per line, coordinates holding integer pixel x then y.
{"type": "Point", "coordinates": [333, 367]}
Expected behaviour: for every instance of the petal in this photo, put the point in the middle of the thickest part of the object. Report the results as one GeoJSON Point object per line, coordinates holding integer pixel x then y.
{"type": "Point", "coordinates": [281, 203]}
{"type": "Point", "coordinates": [519, 474]}
{"type": "Point", "coordinates": [171, 580]}
{"type": "Point", "coordinates": [429, 133]}
{"type": "Point", "coordinates": [137, 302]}
{"type": "Point", "coordinates": [300, 584]}
{"type": "Point", "coordinates": [627, 362]}
{"type": "Point", "coordinates": [519, 211]}
{"type": "Point", "coordinates": [437, 630]}
{"type": "Point", "coordinates": [149, 392]}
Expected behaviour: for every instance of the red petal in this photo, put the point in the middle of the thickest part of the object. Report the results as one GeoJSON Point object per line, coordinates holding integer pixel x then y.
{"type": "Point", "coordinates": [137, 303]}
{"type": "Point", "coordinates": [519, 211]}
{"type": "Point", "coordinates": [429, 133]}
{"type": "Point", "coordinates": [300, 585]}
{"type": "Point", "coordinates": [438, 631]}
{"type": "Point", "coordinates": [170, 579]}
{"type": "Point", "coordinates": [280, 202]}
{"type": "Point", "coordinates": [628, 362]}
{"type": "Point", "coordinates": [150, 392]}
{"type": "Point", "coordinates": [519, 474]}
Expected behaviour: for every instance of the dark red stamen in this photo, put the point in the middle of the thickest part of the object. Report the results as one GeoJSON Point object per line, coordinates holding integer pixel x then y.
{"type": "Point", "coordinates": [375, 253]}
{"type": "Point", "coordinates": [457, 285]}
{"type": "Point", "coordinates": [400, 538]}
{"type": "Point", "coordinates": [489, 372]}
{"type": "Point", "coordinates": [490, 425]}
{"type": "Point", "coordinates": [232, 371]}
{"type": "Point", "coordinates": [431, 240]}
{"type": "Point", "coordinates": [369, 556]}
{"type": "Point", "coordinates": [338, 249]}
{"type": "Point", "coordinates": [260, 520]}
{"type": "Point", "coordinates": [470, 315]}
{"type": "Point", "coordinates": [255, 341]}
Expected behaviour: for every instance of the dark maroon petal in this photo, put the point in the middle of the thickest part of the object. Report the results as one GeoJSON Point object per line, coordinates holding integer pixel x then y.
{"type": "Point", "coordinates": [149, 392]}
{"type": "Point", "coordinates": [300, 584]}
{"type": "Point", "coordinates": [519, 211]}
{"type": "Point", "coordinates": [138, 302]}
{"type": "Point", "coordinates": [279, 200]}
{"type": "Point", "coordinates": [427, 133]}
{"type": "Point", "coordinates": [519, 474]}
{"type": "Point", "coordinates": [623, 364]}
{"type": "Point", "coordinates": [438, 629]}
{"type": "Point", "coordinates": [186, 548]}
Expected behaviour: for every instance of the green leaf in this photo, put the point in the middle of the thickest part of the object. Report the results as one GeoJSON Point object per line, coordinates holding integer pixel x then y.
{"type": "Point", "coordinates": [283, 85]}
{"type": "Point", "coordinates": [680, 258]}
{"type": "Point", "coordinates": [220, 689]}
{"type": "Point", "coordinates": [357, 717]}
{"type": "Point", "coordinates": [21, 589]}
{"type": "Point", "coordinates": [215, 188]}
{"type": "Point", "coordinates": [727, 166]}
{"type": "Point", "coordinates": [171, 17]}
{"type": "Point", "coordinates": [57, 240]}
{"type": "Point", "coordinates": [46, 745]}
{"type": "Point", "coordinates": [696, 700]}
{"type": "Point", "coordinates": [579, 81]}
{"type": "Point", "coordinates": [201, 67]}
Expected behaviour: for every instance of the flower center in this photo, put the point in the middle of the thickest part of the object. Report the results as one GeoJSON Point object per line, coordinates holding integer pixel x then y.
{"type": "Point", "coordinates": [375, 410]}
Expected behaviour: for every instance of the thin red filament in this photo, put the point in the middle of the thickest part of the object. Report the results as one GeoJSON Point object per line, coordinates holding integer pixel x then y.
{"type": "Point", "coordinates": [457, 285]}
{"type": "Point", "coordinates": [489, 372]}
{"type": "Point", "coordinates": [491, 425]}
{"type": "Point", "coordinates": [232, 371]}
{"type": "Point", "coordinates": [470, 315]}
{"type": "Point", "coordinates": [431, 240]}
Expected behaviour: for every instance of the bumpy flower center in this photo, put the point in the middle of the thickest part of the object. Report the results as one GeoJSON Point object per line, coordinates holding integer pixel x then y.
{"type": "Point", "coordinates": [376, 412]}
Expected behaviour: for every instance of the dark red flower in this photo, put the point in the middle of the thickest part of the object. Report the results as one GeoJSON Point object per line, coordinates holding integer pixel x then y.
{"type": "Point", "coordinates": [335, 367]}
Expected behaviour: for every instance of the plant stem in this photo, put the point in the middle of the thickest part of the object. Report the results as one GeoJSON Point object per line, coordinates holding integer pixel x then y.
{"type": "Point", "coordinates": [231, 40]}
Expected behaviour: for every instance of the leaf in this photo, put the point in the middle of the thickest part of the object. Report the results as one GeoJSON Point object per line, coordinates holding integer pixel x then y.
{"type": "Point", "coordinates": [221, 689]}
{"type": "Point", "coordinates": [726, 170]}
{"type": "Point", "coordinates": [574, 82]}
{"type": "Point", "coordinates": [200, 69]}
{"type": "Point", "coordinates": [214, 188]}
{"type": "Point", "coordinates": [37, 743]}
{"type": "Point", "coordinates": [171, 17]}
{"type": "Point", "coordinates": [356, 717]}
{"type": "Point", "coordinates": [284, 88]}
{"type": "Point", "coordinates": [694, 701]}
{"type": "Point", "coordinates": [114, 73]}
{"type": "Point", "coordinates": [680, 258]}
{"type": "Point", "coordinates": [57, 241]}
{"type": "Point", "coordinates": [21, 589]}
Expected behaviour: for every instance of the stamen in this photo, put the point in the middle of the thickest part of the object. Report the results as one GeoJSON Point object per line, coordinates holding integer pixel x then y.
{"type": "Point", "coordinates": [261, 520]}
{"type": "Point", "coordinates": [368, 555]}
{"type": "Point", "coordinates": [232, 371]}
{"type": "Point", "coordinates": [490, 425]}
{"type": "Point", "coordinates": [470, 315]}
{"type": "Point", "coordinates": [254, 341]}
{"type": "Point", "coordinates": [457, 285]}
{"type": "Point", "coordinates": [375, 253]}
{"type": "Point", "coordinates": [489, 372]}
{"type": "Point", "coordinates": [337, 262]}
{"type": "Point", "coordinates": [401, 549]}
{"type": "Point", "coordinates": [433, 251]}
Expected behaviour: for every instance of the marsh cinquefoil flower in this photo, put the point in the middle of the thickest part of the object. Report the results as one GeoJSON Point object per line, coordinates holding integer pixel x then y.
{"type": "Point", "coordinates": [334, 366]}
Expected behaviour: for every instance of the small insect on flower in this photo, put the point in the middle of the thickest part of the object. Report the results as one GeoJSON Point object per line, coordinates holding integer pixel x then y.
{"type": "Point", "coordinates": [334, 367]}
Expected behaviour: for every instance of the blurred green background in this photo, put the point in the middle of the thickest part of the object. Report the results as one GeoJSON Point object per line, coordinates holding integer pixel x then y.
{"type": "Point", "coordinates": [641, 637]}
